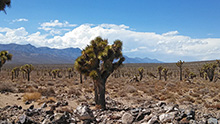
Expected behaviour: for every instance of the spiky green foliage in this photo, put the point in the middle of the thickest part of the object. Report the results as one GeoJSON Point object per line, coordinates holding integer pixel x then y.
{"type": "Point", "coordinates": [141, 71]}
{"type": "Point", "coordinates": [98, 61]}
{"type": "Point", "coordinates": [209, 68]}
{"type": "Point", "coordinates": [159, 70]}
{"type": "Point", "coordinates": [3, 4]}
{"type": "Point", "coordinates": [179, 64]}
{"type": "Point", "coordinates": [27, 69]}
{"type": "Point", "coordinates": [4, 56]}
{"type": "Point", "coordinates": [192, 75]}
{"type": "Point", "coordinates": [164, 71]}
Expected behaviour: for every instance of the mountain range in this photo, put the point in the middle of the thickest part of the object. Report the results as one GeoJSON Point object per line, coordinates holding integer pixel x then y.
{"type": "Point", "coordinates": [44, 55]}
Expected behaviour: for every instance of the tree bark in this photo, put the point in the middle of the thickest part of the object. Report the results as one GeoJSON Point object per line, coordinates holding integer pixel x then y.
{"type": "Point", "coordinates": [28, 74]}
{"type": "Point", "coordinates": [99, 87]}
{"type": "Point", "coordinates": [181, 73]}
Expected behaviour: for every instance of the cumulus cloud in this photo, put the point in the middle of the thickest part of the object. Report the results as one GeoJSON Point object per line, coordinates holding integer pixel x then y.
{"type": "Point", "coordinates": [55, 27]}
{"type": "Point", "coordinates": [168, 47]}
{"type": "Point", "coordinates": [20, 20]}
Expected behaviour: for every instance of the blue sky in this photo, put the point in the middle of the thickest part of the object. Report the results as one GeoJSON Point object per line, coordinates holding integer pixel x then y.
{"type": "Point", "coordinates": [167, 30]}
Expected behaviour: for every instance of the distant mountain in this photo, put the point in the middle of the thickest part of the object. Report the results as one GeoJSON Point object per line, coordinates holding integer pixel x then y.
{"type": "Point", "coordinates": [44, 55]}
{"type": "Point", "coordinates": [140, 60]}
{"type": "Point", "coordinates": [41, 55]}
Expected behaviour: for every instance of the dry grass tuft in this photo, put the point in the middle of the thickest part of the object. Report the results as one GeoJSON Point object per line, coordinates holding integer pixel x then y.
{"type": "Point", "coordinates": [31, 96]}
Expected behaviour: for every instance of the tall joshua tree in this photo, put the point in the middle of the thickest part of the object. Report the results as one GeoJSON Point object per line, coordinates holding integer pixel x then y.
{"type": "Point", "coordinates": [27, 69]}
{"type": "Point", "coordinates": [4, 56]}
{"type": "Point", "coordinates": [179, 64]}
{"type": "Point", "coordinates": [98, 61]}
{"type": "Point", "coordinates": [159, 69]}
{"type": "Point", "coordinates": [3, 4]}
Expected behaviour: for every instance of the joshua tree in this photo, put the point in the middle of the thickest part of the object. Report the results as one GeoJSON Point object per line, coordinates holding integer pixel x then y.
{"type": "Point", "coordinates": [141, 71]}
{"type": "Point", "coordinates": [27, 69]}
{"type": "Point", "coordinates": [56, 73]}
{"type": "Point", "coordinates": [4, 56]}
{"type": "Point", "coordinates": [192, 75]}
{"type": "Point", "coordinates": [98, 61]}
{"type": "Point", "coordinates": [209, 68]}
{"type": "Point", "coordinates": [3, 4]}
{"type": "Point", "coordinates": [159, 69]}
{"type": "Point", "coordinates": [165, 70]}
{"type": "Point", "coordinates": [70, 70]}
{"type": "Point", "coordinates": [15, 72]}
{"type": "Point", "coordinates": [179, 64]}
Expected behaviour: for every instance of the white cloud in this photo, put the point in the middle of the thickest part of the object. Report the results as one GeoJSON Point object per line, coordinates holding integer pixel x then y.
{"type": "Point", "coordinates": [55, 27]}
{"type": "Point", "coordinates": [170, 46]}
{"type": "Point", "coordinates": [20, 20]}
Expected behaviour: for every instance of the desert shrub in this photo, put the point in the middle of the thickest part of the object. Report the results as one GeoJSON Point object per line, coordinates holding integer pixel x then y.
{"type": "Point", "coordinates": [130, 89]}
{"type": "Point", "coordinates": [74, 91]}
{"type": "Point", "coordinates": [6, 87]}
{"type": "Point", "coordinates": [47, 92]}
{"type": "Point", "coordinates": [31, 96]}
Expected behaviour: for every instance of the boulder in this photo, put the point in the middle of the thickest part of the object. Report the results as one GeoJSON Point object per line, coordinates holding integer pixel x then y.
{"type": "Point", "coordinates": [127, 118]}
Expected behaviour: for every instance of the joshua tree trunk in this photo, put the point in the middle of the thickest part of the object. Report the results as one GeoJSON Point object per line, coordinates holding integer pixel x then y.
{"type": "Point", "coordinates": [12, 76]}
{"type": "Point", "coordinates": [81, 78]}
{"type": "Point", "coordinates": [181, 74]}
{"type": "Point", "coordinates": [99, 87]}
{"type": "Point", "coordinates": [28, 76]}
{"type": "Point", "coordinates": [159, 75]}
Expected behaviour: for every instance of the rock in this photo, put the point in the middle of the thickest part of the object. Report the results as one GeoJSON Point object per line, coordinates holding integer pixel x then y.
{"type": "Point", "coordinates": [61, 118]}
{"type": "Point", "coordinates": [161, 103]}
{"type": "Point", "coordinates": [58, 104]}
{"type": "Point", "coordinates": [153, 120]}
{"type": "Point", "coordinates": [27, 103]}
{"type": "Point", "coordinates": [184, 121]}
{"type": "Point", "coordinates": [31, 107]}
{"type": "Point", "coordinates": [167, 117]}
{"type": "Point", "coordinates": [84, 113]}
{"type": "Point", "coordinates": [212, 121]}
{"type": "Point", "coordinates": [127, 118]}
{"type": "Point", "coordinates": [135, 112]}
{"type": "Point", "coordinates": [44, 105]}
{"type": "Point", "coordinates": [190, 114]}
{"type": "Point", "coordinates": [142, 114]}
{"type": "Point", "coordinates": [65, 103]}
{"type": "Point", "coordinates": [23, 119]}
